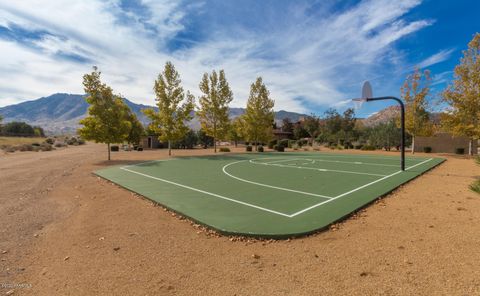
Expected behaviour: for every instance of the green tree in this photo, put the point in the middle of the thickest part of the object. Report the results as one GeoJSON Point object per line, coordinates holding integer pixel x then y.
{"type": "Point", "coordinates": [235, 131]}
{"type": "Point", "coordinates": [136, 130]}
{"type": "Point", "coordinates": [213, 113]}
{"type": "Point", "coordinates": [105, 122]}
{"type": "Point", "coordinates": [259, 115]}
{"type": "Point", "coordinates": [204, 139]}
{"type": "Point", "coordinates": [414, 94]}
{"type": "Point", "coordinates": [287, 125]}
{"type": "Point", "coordinates": [175, 108]}
{"type": "Point", "coordinates": [463, 96]}
{"type": "Point", "coordinates": [312, 126]}
{"type": "Point", "coordinates": [348, 125]}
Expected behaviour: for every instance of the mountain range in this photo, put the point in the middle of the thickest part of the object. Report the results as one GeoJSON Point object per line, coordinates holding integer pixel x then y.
{"type": "Point", "coordinates": [61, 112]}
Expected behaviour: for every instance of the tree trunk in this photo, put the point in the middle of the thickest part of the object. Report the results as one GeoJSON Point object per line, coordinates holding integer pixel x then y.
{"type": "Point", "coordinates": [108, 147]}
{"type": "Point", "coordinates": [169, 148]}
{"type": "Point", "coordinates": [214, 145]}
{"type": "Point", "coordinates": [413, 144]}
{"type": "Point", "coordinates": [470, 147]}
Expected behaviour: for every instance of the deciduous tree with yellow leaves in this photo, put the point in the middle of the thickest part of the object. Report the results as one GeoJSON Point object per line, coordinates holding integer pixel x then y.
{"type": "Point", "coordinates": [463, 96]}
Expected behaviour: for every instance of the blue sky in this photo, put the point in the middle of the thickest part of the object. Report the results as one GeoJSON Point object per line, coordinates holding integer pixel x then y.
{"type": "Point", "coordinates": [312, 55]}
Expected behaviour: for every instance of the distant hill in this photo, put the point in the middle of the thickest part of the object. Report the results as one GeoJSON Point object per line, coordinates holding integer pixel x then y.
{"type": "Point", "coordinates": [61, 112]}
{"type": "Point", "coordinates": [390, 113]}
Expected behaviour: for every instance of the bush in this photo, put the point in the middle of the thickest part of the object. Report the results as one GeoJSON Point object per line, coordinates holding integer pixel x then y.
{"type": "Point", "coordinates": [114, 148]}
{"type": "Point", "coordinates": [25, 147]}
{"type": "Point", "coordinates": [59, 144]}
{"type": "Point", "coordinates": [279, 148]}
{"type": "Point", "coordinates": [459, 150]}
{"type": "Point", "coordinates": [475, 186]}
{"type": "Point", "coordinates": [139, 148]}
{"type": "Point", "coordinates": [10, 149]}
{"type": "Point", "coordinates": [81, 141]}
{"type": "Point", "coordinates": [358, 146]}
{"type": "Point", "coordinates": [368, 148]}
{"type": "Point", "coordinates": [46, 147]}
{"type": "Point", "coordinates": [248, 148]}
{"type": "Point", "coordinates": [224, 149]}
{"type": "Point", "coordinates": [50, 141]}
{"type": "Point", "coordinates": [427, 149]}
{"type": "Point", "coordinates": [247, 143]}
{"type": "Point", "coordinates": [36, 144]}
{"type": "Point", "coordinates": [272, 143]}
{"type": "Point", "coordinates": [283, 142]}
{"type": "Point", "coordinates": [260, 148]}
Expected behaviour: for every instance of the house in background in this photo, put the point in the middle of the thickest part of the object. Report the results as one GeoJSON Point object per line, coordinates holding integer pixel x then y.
{"type": "Point", "coordinates": [150, 142]}
{"type": "Point", "coordinates": [445, 143]}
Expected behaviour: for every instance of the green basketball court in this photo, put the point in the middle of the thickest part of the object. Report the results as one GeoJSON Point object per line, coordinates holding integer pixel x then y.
{"type": "Point", "coordinates": [267, 194]}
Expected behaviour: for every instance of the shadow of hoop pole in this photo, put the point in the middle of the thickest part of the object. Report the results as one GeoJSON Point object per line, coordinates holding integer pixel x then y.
{"type": "Point", "coordinates": [367, 96]}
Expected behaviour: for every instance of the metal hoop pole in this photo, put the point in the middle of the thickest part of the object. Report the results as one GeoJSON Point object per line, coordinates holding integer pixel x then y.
{"type": "Point", "coordinates": [402, 123]}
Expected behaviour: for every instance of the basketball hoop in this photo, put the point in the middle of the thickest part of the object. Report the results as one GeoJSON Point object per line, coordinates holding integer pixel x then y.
{"type": "Point", "coordinates": [366, 94]}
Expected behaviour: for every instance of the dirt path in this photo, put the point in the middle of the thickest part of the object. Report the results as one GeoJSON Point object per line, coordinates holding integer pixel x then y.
{"type": "Point", "coordinates": [67, 232]}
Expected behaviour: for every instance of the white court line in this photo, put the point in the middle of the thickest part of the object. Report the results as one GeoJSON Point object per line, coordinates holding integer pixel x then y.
{"type": "Point", "coordinates": [368, 156]}
{"type": "Point", "coordinates": [208, 193]}
{"type": "Point", "coordinates": [356, 189]}
{"type": "Point", "coordinates": [265, 185]}
{"type": "Point", "coordinates": [315, 169]}
{"type": "Point", "coordinates": [277, 161]}
{"type": "Point", "coordinates": [323, 160]}
{"type": "Point", "coordinates": [268, 210]}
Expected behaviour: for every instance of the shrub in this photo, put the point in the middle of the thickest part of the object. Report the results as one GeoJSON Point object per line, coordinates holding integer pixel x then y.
{"type": "Point", "coordinates": [248, 148]}
{"type": "Point", "coordinates": [279, 148]}
{"type": "Point", "coordinates": [459, 150]}
{"type": "Point", "coordinates": [10, 149]}
{"type": "Point", "coordinates": [247, 143]}
{"type": "Point", "coordinates": [50, 141]}
{"type": "Point", "coordinates": [81, 141]}
{"type": "Point", "coordinates": [25, 147]}
{"type": "Point", "coordinates": [140, 149]}
{"type": "Point", "coordinates": [368, 148]}
{"type": "Point", "coordinates": [260, 148]}
{"type": "Point", "coordinates": [283, 142]}
{"type": "Point", "coordinates": [475, 186]}
{"type": "Point", "coordinates": [358, 146]}
{"type": "Point", "coordinates": [59, 144]}
{"type": "Point", "coordinates": [46, 147]}
{"type": "Point", "coordinates": [224, 149]}
{"type": "Point", "coordinates": [36, 144]}
{"type": "Point", "coordinates": [427, 149]}
{"type": "Point", "coordinates": [272, 143]}
{"type": "Point", "coordinates": [114, 148]}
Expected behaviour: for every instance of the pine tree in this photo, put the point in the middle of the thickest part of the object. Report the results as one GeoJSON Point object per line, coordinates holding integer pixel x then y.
{"type": "Point", "coordinates": [105, 122]}
{"type": "Point", "coordinates": [463, 96]}
{"type": "Point", "coordinates": [414, 94]}
{"type": "Point", "coordinates": [214, 111]}
{"type": "Point", "coordinates": [174, 107]}
{"type": "Point", "coordinates": [259, 115]}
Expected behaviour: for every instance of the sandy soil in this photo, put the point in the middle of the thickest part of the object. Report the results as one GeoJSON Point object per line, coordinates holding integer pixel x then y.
{"type": "Point", "coordinates": [66, 232]}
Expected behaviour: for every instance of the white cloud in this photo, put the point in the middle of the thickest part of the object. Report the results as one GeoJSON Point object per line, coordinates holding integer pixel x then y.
{"type": "Point", "coordinates": [315, 60]}
{"type": "Point", "coordinates": [439, 57]}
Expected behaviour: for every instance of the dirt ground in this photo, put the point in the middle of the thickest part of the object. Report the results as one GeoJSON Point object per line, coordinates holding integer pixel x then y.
{"type": "Point", "coordinates": [66, 232]}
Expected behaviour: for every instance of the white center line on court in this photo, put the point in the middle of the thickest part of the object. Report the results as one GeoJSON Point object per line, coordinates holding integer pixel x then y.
{"type": "Point", "coordinates": [206, 192]}
{"type": "Point", "coordinates": [356, 189]}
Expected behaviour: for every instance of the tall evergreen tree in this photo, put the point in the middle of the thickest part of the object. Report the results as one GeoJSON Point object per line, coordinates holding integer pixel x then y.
{"type": "Point", "coordinates": [214, 111]}
{"type": "Point", "coordinates": [105, 122]}
{"type": "Point", "coordinates": [175, 108]}
{"type": "Point", "coordinates": [463, 96]}
{"type": "Point", "coordinates": [259, 115]}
